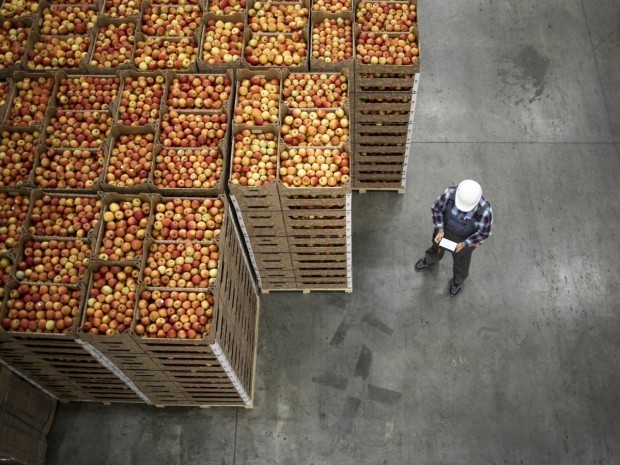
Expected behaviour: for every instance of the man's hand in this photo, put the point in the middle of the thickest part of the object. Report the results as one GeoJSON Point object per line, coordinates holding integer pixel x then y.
{"type": "Point", "coordinates": [439, 236]}
{"type": "Point", "coordinates": [460, 246]}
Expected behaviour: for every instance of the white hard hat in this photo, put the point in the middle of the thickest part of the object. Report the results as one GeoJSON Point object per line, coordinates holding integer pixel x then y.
{"type": "Point", "coordinates": [468, 194]}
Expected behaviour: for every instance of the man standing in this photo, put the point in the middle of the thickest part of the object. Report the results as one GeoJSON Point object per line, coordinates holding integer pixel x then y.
{"type": "Point", "coordinates": [463, 216]}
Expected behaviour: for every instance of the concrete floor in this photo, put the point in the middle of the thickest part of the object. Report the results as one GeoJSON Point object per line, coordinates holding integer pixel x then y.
{"type": "Point", "coordinates": [523, 367]}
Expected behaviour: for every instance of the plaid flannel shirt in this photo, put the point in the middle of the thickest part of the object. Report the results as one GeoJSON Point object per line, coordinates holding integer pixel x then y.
{"type": "Point", "coordinates": [484, 225]}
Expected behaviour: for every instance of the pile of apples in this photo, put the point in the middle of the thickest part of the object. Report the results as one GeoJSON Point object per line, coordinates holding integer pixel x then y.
{"type": "Point", "coordinates": [254, 158]}
{"type": "Point", "coordinates": [184, 265]}
{"type": "Point", "coordinates": [318, 128]}
{"type": "Point", "coordinates": [58, 52]}
{"type": "Point", "coordinates": [13, 212]}
{"type": "Point", "coordinates": [199, 92]}
{"type": "Point", "coordinates": [227, 7]}
{"type": "Point", "coordinates": [17, 153]}
{"type": "Point", "coordinates": [111, 300]}
{"type": "Point", "coordinates": [87, 93]}
{"type": "Point", "coordinates": [54, 261]}
{"type": "Point", "coordinates": [122, 8]}
{"type": "Point", "coordinates": [223, 41]}
{"type": "Point", "coordinates": [78, 129]}
{"type": "Point", "coordinates": [276, 50]}
{"type": "Point", "coordinates": [124, 229]}
{"type": "Point", "coordinates": [258, 101]}
{"type": "Point", "coordinates": [314, 167]}
{"type": "Point", "coordinates": [11, 9]}
{"type": "Point", "coordinates": [277, 17]}
{"type": "Point", "coordinates": [192, 130]}
{"type": "Point", "coordinates": [162, 53]}
{"type": "Point", "coordinates": [140, 100]}
{"type": "Point", "coordinates": [332, 40]}
{"type": "Point", "coordinates": [13, 41]}
{"type": "Point", "coordinates": [384, 49]}
{"type": "Point", "coordinates": [130, 160]}
{"type": "Point", "coordinates": [331, 6]}
{"type": "Point", "coordinates": [386, 16]}
{"type": "Point", "coordinates": [174, 314]}
{"type": "Point", "coordinates": [171, 20]}
{"type": "Point", "coordinates": [188, 219]}
{"type": "Point", "coordinates": [30, 101]}
{"type": "Point", "coordinates": [315, 90]}
{"type": "Point", "coordinates": [44, 308]}
{"type": "Point", "coordinates": [188, 168]}
{"type": "Point", "coordinates": [69, 169]}
{"type": "Point", "coordinates": [64, 216]}
{"type": "Point", "coordinates": [62, 20]}
{"type": "Point", "coordinates": [114, 45]}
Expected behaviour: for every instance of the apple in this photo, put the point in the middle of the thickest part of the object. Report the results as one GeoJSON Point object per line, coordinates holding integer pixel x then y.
{"type": "Point", "coordinates": [332, 40]}
{"type": "Point", "coordinates": [109, 307]}
{"type": "Point", "coordinates": [42, 308]}
{"type": "Point", "coordinates": [58, 52]}
{"type": "Point", "coordinates": [223, 41]}
{"type": "Point", "coordinates": [227, 7]}
{"type": "Point", "coordinates": [58, 216]}
{"type": "Point", "coordinates": [315, 90]}
{"type": "Point", "coordinates": [188, 168]}
{"type": "Point", "coordinates": [17, 154]}
{"type": "Point", "coordinates": [184, 265]}
{"type": "Point", "coordinates": [78, 129]}
{"type": "Point", "coordinates": [114, 45]}
{"type": "Point", "coordinates": [124, 229]}
{"type": "Point", "coordinates": [30, 101]}
{"type": "Point", "coordinates": [69, 169]}
{"type": "Point", "coordinates": [130, 160]}
{"type": "Point", "coordinates": [199, 92]}
{"type": "Point", "coordinates": [254, 158]}
{"type": "Point", "coordinates": [6, 264]}
{"type": "Point", "coordinates": [192, 130]}
{"type": "Point", "coordinates": [11, 9]}
{"type": "Point", "coordinates": [4, 93]}
{"type": "Point", "coordinates": [13, 212]}
{"type": "Point", "coordinates": [162, 53]}
{"type": "Point", "coordinates": [63, 262]}
{"type": "Point", "coordinates": [314, 167]}
{"type": "Point", "coordinates": [63, 20]}
{"type": "Point", "coordinates": [171, 20]}
{"type": "Point", "coordinates": [87, 93]}
{"type": "Point", "coordinates": [383, 49]}
{"type": "Point", "coordinates": [187, 218]}
{"type": "Point", "coordinates": [385, 16]}
{"type": "Point", "coordinates": [277, 17]}
{"type": "Point", "coordinates": [122, 8]}
{"type": "Point", "coordinates": [258, 101]}
{"type": "Point", "coordinates": [276, 50]}
{"type": "Point", "coordinates": [140, 100]}
{"type": "Point", "coordinates": [331, 6]}
{"type": "Point", "coordinates": [318, 128]}
{"type": "Point", "coordinates": [174, 314]}
{"type": "Point", "coordinates": [13, 41]}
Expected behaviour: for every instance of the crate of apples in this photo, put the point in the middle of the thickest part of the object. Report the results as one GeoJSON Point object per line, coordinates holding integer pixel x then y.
{"type": "Point", "coordinates": [13, 212]}
{"type": "Point", "coordinates": [387, 49]}
{"type": "Point", "coordinates": [12, 9]}
{"type": "Point", "coordinates": [63, 20]}
{"type": "Point", "coordinates": [187, 219]}
{"type": "Point", "coordinates": [171, 20]}
{"type": "Point", "coordinates": [254, 158]}
{"type": "Point", "coordinates": [53, 261]}
{"type": "Point", "coordinates": [4, 97]}
{"type": "Point", "coordinates": [172, 314]}
{"type": "Point", "coordinates": [17, 157]}
{"type": "Point", "coordinates": [181, 264]}
{"type": "Point", "coordinates": [113, 46]}
{"type": "Point", "coordinates": [315, 90]}
{"type": "Point", "coordinates": [192, 130]}
{"type": "Point", "coordinates": [317, 128]}
{"type": "Point", "coordinates": [227, 7]}
{"type": "Point", "coordinates": [123, 228]}
{"type": "Point", "coordinates": [41, 308]}
{"type": "Point", "coordinates": [32, 95]}
{"type": "Point", "coordinates": [140, 99]}
{"type": "Point", "coordinates": [161, 53]}
{"type": "Point", "coordinates": [277, 50]}
{"type": "Point", "coordinates": [331, 6]}
{"type": "Point", "coordinates": [182, 170]}
{"type": "Point", "coordinates": [87, 93]}
{"type": "Point", "coordinates": [69, 169]}
{"type": "Point", "coordinates": [51, 52]}
{"type": "Point", "coordinates": [314, 167]}
{"type": "Point", "coordinates": [13, 43]}
{"type": "Point", "coordinates": [332, 40]}
{"type": "Point", "coordinates": [110, 300]}
{"type": "Point", "coordinates": [278, 17]}
{"type": "Point", "coordinates": [63, 216]}
{"type": "Point", "coordinates": [386, 16]}
{"type": "Point", "coordinates": [258, 99]}
{"type": "Point", "coordinates": [199, 92]}
{"type": "Point", "coordinates": [129, 162]}
{"type": "Point", "coordinates": [77, 129]}
{"type": "Point", "coordinates": [223, 43]}
{"type": "Point", "coordinates": [6, 267]}
{"type": "Point", "coordinates": [122, 8]}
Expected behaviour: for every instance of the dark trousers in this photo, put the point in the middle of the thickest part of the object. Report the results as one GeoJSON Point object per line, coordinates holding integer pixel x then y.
{"type": "Point", "coordinates": [461, 260]}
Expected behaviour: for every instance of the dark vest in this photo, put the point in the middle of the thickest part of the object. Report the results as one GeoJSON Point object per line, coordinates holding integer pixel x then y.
{"type": "Point", "coordinates": [457, 229]}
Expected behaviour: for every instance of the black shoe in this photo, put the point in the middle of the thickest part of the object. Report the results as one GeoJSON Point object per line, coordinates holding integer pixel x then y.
{"type": "Point", "coordinates": [421, 265]}
{"type": "Point", "coordinates": [455, 288]}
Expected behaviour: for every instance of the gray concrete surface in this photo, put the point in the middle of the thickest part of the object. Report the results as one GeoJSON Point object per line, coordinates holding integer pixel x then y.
{"type": "Point", "coordinates": [523, 367]}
